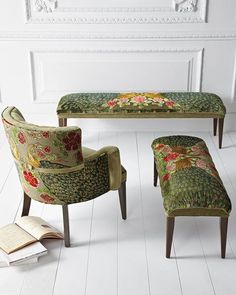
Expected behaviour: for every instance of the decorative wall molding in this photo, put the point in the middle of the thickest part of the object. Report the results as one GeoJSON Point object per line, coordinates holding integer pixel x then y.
{"type": "Point", "coordinates": [186, 5]}
{"type": "Point", "coordinates": [189, 58]}
{"type": "Point", "coordinates": [45, 5]}
{"type": "Point", "coordinates": [126, 35]}
{"type": "Point", "coordinates": [58, 12]}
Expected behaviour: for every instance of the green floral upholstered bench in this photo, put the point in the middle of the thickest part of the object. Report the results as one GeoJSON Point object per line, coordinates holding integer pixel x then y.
{"type": "Point", "coordinates": [190, 183]}
{"type": "Point", "coordinates": [143, 105]}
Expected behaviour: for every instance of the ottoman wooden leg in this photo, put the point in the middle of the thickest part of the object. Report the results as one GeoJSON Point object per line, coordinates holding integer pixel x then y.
{"type": "Point", "coordinates": [215, 121]}
{"type": "Point", "coordinates": [62, 122]}
{"type": "Point", "coordinates": [122, 197]}
{"type": "Point", "coordinates": [221, 127]}
{"type": "Point", "coordinates": [223, 234]}
{"type": "Point", "coordinates": [66, 225]}
{"type": "Point", "coordinates": [155, 174]}
{"type": "Point", "coordinates": [170, 223]}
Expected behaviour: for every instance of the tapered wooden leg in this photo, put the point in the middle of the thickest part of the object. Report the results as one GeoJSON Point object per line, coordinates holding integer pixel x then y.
{"type": "Point", "coordinates": [122, 197]}
{"type": "Point", "coordinates": [62, 122]}
{"type": "Point", "coordinates": [215, 121]}
{"type": "Point", "coordinates": [170, 223]}
{"type": "Point", "coordinates": [223, 234]}
{"type": "Point", "coordinates": [221, 127]}
{"type": "Point", "coordinates": [66, 225]}
{"type": "Point", "coordinates": [26, 205]}
{"type": "Point", "coordinates": [155, 174]}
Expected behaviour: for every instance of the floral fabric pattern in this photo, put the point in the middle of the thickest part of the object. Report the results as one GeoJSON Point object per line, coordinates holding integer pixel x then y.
{"type": "Point", "coordinates": [179, 157]}
{"type": "Point", "coordinates": [41, 154]}
{"type": "Point", "coordinates": [167, 104]}
{"type": "Point", "coordinates": [141, 101]}
{"type": "Point", "coordinates": [188, 177]}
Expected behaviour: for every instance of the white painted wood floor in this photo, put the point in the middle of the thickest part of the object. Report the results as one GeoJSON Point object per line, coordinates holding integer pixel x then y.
{"type": "Point", "coordinates": [111, 256]}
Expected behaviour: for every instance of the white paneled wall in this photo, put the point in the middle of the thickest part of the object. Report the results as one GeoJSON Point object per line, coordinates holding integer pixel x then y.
{"type": "Point", "coordinates": [52, 47]}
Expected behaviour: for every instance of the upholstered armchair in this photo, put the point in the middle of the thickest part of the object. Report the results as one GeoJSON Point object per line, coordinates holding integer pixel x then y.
{"type": "Point", "coordinates": [54, 169]}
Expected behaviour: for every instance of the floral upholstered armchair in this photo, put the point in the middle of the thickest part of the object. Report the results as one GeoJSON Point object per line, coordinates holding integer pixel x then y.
{"type": "Point", "coordinates": [54, 169]}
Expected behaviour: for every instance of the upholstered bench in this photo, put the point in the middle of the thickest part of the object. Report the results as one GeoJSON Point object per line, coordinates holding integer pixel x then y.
{"type": "Point", "coordinates": [190, 183]}
{"type": "Point", "coordinates": [143, 105]}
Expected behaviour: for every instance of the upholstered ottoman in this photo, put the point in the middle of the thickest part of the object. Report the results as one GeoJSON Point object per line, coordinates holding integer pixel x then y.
{"type": "Point", "coordinates": [190, 183]}
{"type": "Point", "coordinates": [143, 105]}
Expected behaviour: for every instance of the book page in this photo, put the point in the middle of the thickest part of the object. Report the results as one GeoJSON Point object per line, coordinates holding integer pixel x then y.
{"type": "Point", "coordinates": [12, 238]}
{"type": "Point", "coordinates": [38, 227]}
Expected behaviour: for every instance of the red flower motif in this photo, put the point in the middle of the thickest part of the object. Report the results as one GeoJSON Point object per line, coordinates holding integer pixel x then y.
{"type": "Point", "coordinates": [41, 154]}
{"type": "Point", "coordinates": [171, 157]}
{"type": "Point", "coordinates": [47, 149]}
{"type": "Point", "coordinates": [169, 103]}
{"type": "Point", "coordinates": [47, 198]}
{"type": "Point", "coordinates": [21, 138]}
{"type": "Point", "coordinates": [166, 177]}
{"type": "Point", "coordinates": [29, 177]}
{"type": "Point", "coordinates": [111, 103]}
{"type": "Point", "coordinates": [72, 140]}
{"type": "Point", "coordinates": [45, 134]}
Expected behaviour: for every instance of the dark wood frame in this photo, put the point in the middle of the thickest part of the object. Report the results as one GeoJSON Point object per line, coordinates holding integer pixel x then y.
{"type": "Point", "coordinates": [170, 222]}
{"type": "Point", "coordinates": [218, 122]}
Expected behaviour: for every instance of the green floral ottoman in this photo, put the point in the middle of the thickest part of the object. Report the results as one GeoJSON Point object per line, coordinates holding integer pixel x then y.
{"type": "Point", "coordinates": [143, 105]}
{"type": "Point", "coordinates": [190, 183]}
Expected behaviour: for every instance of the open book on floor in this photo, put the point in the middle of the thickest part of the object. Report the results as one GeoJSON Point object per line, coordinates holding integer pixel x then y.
{"type": "Point", "coordinates": [25, 231]}
{"type": "Point", "coordinates": [26, 255]}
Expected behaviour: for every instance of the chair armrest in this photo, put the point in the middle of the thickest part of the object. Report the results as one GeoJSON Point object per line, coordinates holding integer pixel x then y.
{"type": "Point", "coordinates": [114, 164]}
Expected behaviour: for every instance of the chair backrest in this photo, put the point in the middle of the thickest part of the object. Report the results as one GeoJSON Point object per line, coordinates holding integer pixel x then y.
{"type": "Point", "coordinates": [41, 149]}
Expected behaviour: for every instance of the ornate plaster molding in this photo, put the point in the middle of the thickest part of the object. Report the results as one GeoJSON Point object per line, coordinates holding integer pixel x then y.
{"type": "Point", "coordinates": [46, 6]}
{"type": "Point", "coordinates": [58, 12]}
{"type": "Point", "coordinates": [186, 5]}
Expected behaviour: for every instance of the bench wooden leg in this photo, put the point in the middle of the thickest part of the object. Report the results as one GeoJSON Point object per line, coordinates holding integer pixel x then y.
{"type": "Point", "coordinates": [223, 234]}
{"type": "Point", "coordinates": [215, 121]}
{"type": "Point", "coordinates": [221, 127]}
{"type": "Point", "coordinates": [66, 225]}
{"type": "Point", "coordinates": [170, 223]}
{"type": "Point", "coordinates": [122, 197]}
{"type": "Point", "coordinates": [62, 122]}
{"type": "Point", "coordinates": [26, 205]}
{"type": "Point", "coordinates": [155, 174]}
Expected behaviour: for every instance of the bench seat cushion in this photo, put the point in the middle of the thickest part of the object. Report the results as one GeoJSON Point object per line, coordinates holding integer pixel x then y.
{"type": "Point", "coordinates": [189, 181]}
{"type": "Point", "coordinates": [147, 105]}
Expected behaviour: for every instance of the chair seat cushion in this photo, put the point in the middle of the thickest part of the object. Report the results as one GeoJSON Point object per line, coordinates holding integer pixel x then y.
{"type": "Point", "coordinates": [168, 104]}
{"type": "Point", "coordinates": [189, 181]}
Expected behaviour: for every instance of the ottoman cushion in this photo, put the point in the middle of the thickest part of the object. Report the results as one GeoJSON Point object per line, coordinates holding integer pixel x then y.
{"type": "Point", "coordinates": [189, 181]}
{"type": "Point", "coordinates": [166, 104]}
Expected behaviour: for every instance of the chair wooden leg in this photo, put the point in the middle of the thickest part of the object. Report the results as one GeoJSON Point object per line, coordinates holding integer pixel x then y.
{"type": "Point", "coordinates": [62, 122]}
{"type": "Point", "coordinates": [66, 225]}
{"type": "Point", "coordinates": [122, 197]}
{"type": "Point", "coordinates": [223, 234]}
{"type": "Point", "coordinates": [221, 127]}
{"type": "Point", "coordinates": [215, 121]}
{"type": "Point", "coordinates": [26, 205]}
{"type": "Point", "coordinates": [170, 223]}
{"type": "Point", "coordinates": [155, 174]}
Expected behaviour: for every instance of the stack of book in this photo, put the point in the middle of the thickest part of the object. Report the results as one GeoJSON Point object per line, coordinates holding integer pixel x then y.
{"type": "Point", "coordinates": [19, 242]}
